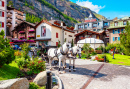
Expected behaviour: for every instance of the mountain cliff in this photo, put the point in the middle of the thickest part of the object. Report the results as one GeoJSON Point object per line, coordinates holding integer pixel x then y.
{"type": "Point", "coordinates": [64, 10]}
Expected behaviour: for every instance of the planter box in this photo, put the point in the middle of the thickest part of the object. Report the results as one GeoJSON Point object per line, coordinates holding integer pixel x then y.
{"type": "Point", "coordinates": [98, 51]}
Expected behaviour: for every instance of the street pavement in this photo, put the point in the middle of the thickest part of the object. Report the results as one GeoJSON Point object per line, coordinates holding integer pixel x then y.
{"type": "Point", "coordinates": [109, 77]}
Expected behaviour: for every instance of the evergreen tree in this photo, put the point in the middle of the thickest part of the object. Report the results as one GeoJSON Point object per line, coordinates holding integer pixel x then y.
{"type": "Point", "coordinates": [125, 38]}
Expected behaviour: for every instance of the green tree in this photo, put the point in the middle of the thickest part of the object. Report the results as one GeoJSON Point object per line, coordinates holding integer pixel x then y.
{"type": "Point", "coordinates": [10, 4]}
{"type": "Point", "coordinates": [25, 50]}
{"type": "Point", "coordinates": [6, 51]}
{"type": "Point", "coordinates": [59, 44]}
{"type": "Point", "coordinates": [86, 49]}
{"type": "Point", "coordinates": [119, 47]}
{"type": "Point", "coordinates": [125, 38]}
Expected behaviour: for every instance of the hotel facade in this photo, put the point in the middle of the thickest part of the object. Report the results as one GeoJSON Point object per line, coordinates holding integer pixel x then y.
{"type": "Point", "coordinates": [3, 15]}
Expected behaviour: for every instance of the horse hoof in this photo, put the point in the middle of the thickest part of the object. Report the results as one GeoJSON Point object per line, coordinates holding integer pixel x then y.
{"type": "Point", "coordinates": [69, 70]}
{"type": "Point", "coordinates": [64, 72]}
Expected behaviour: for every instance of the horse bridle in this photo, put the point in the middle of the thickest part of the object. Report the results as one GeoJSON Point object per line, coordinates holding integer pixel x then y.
{"type": "Point", "coordinates": [61, 50]}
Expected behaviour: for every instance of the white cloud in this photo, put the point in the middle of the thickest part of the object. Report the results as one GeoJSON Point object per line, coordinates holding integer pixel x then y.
{"type": "Point", "coordinates": [121, 16]}
{"type": "Point", "coordinates": [88, 4]}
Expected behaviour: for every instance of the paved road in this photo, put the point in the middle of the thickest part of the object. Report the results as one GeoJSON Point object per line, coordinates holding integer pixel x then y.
{"type": "Point", "coordinates": [109, 77]}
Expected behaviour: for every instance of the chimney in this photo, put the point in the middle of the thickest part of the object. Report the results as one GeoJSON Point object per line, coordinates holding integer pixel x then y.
{"type": "Point", "coordinates": [115, 18]}
{"type": "Point", "coordinates": [61, 23]}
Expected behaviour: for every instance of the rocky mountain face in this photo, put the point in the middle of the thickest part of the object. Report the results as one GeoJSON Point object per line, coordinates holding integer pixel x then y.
{"type": "Point", "coordinates": [64, 10]}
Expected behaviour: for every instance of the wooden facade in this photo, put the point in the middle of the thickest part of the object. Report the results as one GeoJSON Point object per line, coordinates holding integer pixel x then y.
{"type": "Point", "coordinates": [90, 34]}
{"type": "Point", "coordinates": [24, 32]}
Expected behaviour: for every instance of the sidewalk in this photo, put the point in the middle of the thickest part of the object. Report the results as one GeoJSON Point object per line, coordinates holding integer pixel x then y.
{"type": "Point", "coordinates": [109, 77]}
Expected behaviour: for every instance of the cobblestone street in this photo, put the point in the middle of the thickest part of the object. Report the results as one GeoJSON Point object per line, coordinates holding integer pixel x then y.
{"type": "Point", "coordinates": [109, 77]}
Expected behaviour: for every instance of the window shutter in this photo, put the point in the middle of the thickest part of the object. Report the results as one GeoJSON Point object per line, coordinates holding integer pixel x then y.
{"type": "Point", "coordinates": [118, 31]}
{"type": "Point", "coordinates": [121, 30]}
{"type": "Point", "coordinates": [56, 35]}
{"type": "Point", "coordinates": [56, 43]}
{"type": "Point", "coordinates": [2, 24]}
{"type": "Point", "coordinates": [113, 38]}
{"type": "Point", "coordinates": [3, 3]}
{"type": "Point", "coordinates": [119, 38]}
{"type": "Point", "coordinates": [2, 14]}
{"type": "Point", "coordinates": [113, 31]}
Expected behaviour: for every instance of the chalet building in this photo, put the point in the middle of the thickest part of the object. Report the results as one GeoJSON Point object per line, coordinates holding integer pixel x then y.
{"type": "Point", "coordinates": [24, 32]}
{"type": "Point", "coordinates": [3, 15]}
{"type": "Point", "coordinates": [90, 34]}
{"type": "Point", "coordinates": [51, 32]}
{"type": "Point", "coordinates": [92, 24]}
{"type": "Point", "coordinates": [116, 27]}
{"type": "Point", "coordinates": [14, 17]}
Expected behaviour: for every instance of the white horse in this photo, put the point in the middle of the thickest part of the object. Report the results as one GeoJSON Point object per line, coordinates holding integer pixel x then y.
{"type": "Point", "coordinates": [72, 56]}
{"type": "Point", "coordinates": [60, 53]}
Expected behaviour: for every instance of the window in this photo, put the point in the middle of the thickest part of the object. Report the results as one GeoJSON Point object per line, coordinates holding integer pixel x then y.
{"type": "Point", "coordinates": [95, 25]}
{"type": "Point", "coordinates": [98, 29]}
{"type": "Point", "coordinates": [116, 31]}
{"type": "Point", "coordinates": [0, 3]}
{"type": "Point", "coordinates": [77, 31]}
{"type": "Point", "coordinates": [124, 23]}
{"type": "Point", "coordinates": [43, 31]}
{"type": "Point", "coordinates": [1, 24]}
{"type": "Point", "coordinates": [116, 23]}
{"type": "Point", "coordinates": [0, 13]}
{"type": "Point", "coordinates": [85, 26]}
{"type": "Point", "coordinates": [106, 24]}
{"type": "Point", "coordinates": [80, 27]}
{"type": "Point", "coordinates": [94, 29]}
{"type": "Point", "coordinates": [116, 38]}
{"type": "Point", "coordinates": [56, 35]}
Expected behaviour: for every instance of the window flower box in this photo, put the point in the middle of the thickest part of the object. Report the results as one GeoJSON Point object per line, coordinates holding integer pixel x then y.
{"type": "Point", "coordinates": [21, 31]}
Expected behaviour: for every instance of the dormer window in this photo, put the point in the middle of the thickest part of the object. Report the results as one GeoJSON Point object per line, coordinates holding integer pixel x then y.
{"type": "Point", "coordinates": [116, 23]}
{"type": "Point", "coordinates": [124, 22]}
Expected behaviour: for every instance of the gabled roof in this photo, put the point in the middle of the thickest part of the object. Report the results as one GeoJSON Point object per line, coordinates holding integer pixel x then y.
{"type": "Point", "coordinates": [51, 23]}
{"type": "Point", "coordinates": [31, 24]}
{"type": "Point", "coordinates": [98, 33]}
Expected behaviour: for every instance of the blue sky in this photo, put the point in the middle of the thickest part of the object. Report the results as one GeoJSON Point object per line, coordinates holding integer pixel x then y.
{"type": "Point", "coordinates": [108, 8]}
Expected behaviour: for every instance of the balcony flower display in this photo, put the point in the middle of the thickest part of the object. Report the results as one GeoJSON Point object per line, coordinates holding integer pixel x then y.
{"type": "Point", "coordinates": [21, 41]}
{"type": "Point", "coordinates": [22, 37]}
{"type": "Point", "coordinates": [22, 32]}
{"type": "Point", "coordinates": [30, 36]}
{"type": "Point", "coordinates": [31, 30]}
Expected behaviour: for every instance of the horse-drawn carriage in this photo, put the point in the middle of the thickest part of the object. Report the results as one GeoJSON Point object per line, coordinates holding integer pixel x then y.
{"type": "Point", "coordinates": [50, 53]}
